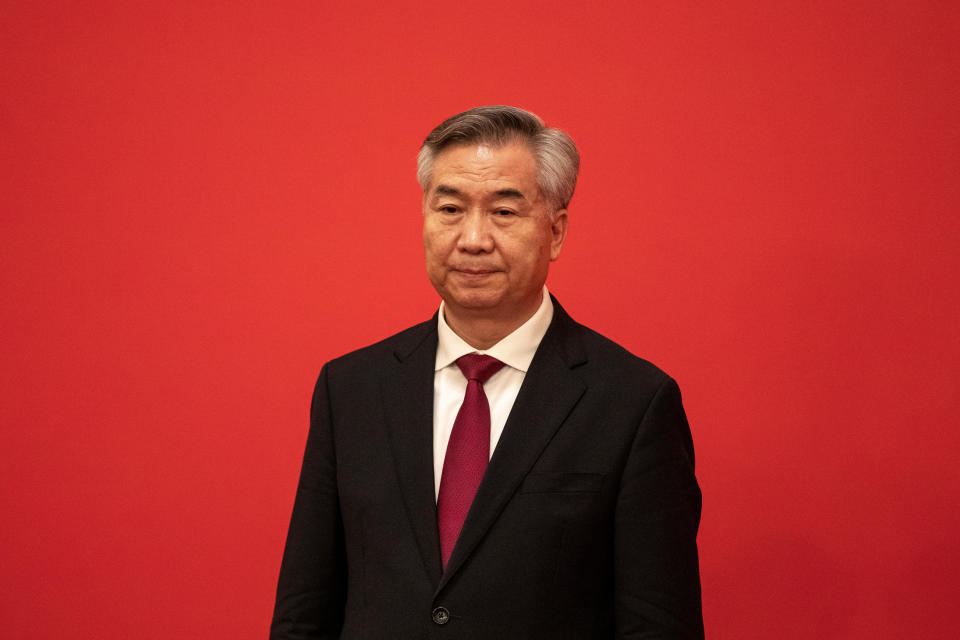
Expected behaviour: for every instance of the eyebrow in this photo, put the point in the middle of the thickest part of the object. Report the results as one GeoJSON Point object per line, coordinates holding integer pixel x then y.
{"type": "Point", "coordinates": [509, 193]}
{"type": "Point", "coordinates": [444, 190]}
{"type": "Point", "coordinates": [447, 190]}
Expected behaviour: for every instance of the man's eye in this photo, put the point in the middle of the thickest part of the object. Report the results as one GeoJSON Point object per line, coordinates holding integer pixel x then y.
{"type": "Point", "coordinates": [448, 209]}
{"type": "Point", "coordinates": [504, 212]}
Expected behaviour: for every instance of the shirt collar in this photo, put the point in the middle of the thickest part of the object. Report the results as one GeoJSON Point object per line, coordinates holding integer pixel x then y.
{"type": "Point", "coordinates": [515, 350]}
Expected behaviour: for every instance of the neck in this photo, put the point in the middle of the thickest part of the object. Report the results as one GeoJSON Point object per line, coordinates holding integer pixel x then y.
{"type": "Point", "coordinates": [481, 330]}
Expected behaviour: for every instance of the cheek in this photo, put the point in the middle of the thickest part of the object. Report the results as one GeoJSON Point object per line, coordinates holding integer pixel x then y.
{"type": "Point", "coordinates": [436, 244]}
{"type": "Point", "coordinates": [535, 249]}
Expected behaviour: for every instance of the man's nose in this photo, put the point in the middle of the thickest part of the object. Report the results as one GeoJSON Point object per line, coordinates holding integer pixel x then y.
{"type": "Point", "coordinates": [475, 236]}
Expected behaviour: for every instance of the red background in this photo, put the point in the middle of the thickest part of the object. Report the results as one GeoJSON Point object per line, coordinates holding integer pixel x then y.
{"type": "Point", "coordinates": [201, 204]}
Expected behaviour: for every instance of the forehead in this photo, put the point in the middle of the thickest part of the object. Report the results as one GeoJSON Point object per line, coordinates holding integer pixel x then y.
{"type": "Point", "coordinates": [482, 165]}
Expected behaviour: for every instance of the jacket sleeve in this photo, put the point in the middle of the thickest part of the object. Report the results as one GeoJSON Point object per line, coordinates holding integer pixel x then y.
{"type": "Point", "coordinates": [311, 591]}
{"type": "Point", "coordinates": [656, 571]}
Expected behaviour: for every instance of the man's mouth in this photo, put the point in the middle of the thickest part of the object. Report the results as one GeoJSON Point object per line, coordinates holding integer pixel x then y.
{"type": "Point", "coordinates": [474, 271]}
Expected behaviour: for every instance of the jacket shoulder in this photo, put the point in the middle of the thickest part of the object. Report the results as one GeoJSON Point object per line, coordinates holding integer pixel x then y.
{"type": "Point", "coordinates": [396, 346]}
{"type": "Point", "coordinates": [610, 360]}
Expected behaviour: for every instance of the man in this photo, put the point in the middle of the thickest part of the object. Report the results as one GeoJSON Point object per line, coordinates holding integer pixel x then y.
{"type": "Point", "coordinates": [498, 471]}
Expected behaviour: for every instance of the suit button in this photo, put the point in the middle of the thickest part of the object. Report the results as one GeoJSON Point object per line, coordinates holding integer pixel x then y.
{"type": "Point", "coordinates": [441, 615]}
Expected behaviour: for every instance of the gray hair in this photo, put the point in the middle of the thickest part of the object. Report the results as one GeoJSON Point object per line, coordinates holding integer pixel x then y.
{"type": "Point", "coordinates": [556, 155]}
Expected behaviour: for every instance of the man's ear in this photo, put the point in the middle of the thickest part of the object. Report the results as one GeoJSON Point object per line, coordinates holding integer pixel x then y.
{"type": "Point", "coordinates": [559, 229]}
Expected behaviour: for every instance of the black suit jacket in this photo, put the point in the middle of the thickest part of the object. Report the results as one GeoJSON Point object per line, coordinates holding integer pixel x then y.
{"type": "Point", "coordinates": [584, 525]}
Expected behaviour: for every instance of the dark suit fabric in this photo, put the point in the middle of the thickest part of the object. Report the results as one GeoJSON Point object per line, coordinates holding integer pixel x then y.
{"type": "Point", "coordinates": [584, 525]}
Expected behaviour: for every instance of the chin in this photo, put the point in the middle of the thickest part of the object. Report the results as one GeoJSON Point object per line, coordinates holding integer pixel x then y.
{"type": "Point", "coordinates": [474, 299]}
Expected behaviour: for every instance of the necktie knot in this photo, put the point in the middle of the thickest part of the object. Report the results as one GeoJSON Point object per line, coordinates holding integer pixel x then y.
{"type": "Point", "coordinates": [477, 367]}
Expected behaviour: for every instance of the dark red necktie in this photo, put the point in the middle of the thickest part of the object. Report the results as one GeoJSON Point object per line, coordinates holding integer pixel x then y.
{"type": "Point", "coordinates": [468, 451]}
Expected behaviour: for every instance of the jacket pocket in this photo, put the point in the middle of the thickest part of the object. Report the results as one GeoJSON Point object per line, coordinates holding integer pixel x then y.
{"type": "Point", "coordinates": [562, 482]}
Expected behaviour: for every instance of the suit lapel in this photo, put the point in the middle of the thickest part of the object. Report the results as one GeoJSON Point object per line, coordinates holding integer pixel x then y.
{"type": "Point", "coordinates": [550, 391]}
{"type": "Point", "coordinates": [407, 391]}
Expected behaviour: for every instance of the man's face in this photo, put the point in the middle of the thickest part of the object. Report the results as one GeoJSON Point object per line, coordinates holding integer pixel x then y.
{"type": "Point", "coordinates": [488, 235]}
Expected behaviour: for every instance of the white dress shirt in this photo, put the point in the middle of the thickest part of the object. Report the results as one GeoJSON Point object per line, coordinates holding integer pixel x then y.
{"type": "Point", "coordinates": [449, 385]}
